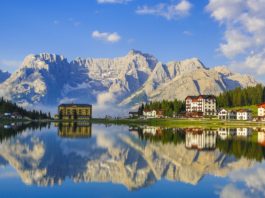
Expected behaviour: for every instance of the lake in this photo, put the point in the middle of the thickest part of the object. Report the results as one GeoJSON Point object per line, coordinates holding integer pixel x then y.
{"type": "Point", "coordinates": [84, 160]}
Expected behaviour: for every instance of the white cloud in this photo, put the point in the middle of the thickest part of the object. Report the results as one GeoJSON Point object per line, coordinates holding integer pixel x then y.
{"type": "Point", "coordinates": [244, 40]}
{"type": "Point", "coordinates": [106, 106]}
{"type": "Point", "coordinates": [56, 22]}
{"type": "Point", "coordinates": [168, 11]}
{"type": "Point", "coordinates": [253, 180]}
{"type": "Point", "coordinates": [106, 36]}
{"type": "Point", "coordinates": [74, 22]}
{"type": "Point", "coordinates": [232, 191]}
{"type": "Point", "coordinates": [113, 1]}
{"type": "Point", "coordinates": [187, 33]}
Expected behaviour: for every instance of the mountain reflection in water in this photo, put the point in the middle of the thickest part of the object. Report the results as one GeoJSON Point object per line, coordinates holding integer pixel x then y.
{"type": "Point", "coordinates": [135, 157]}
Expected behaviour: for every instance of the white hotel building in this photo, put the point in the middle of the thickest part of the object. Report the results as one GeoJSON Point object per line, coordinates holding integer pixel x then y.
{"type": "Point", "coordinates": [202, 104]}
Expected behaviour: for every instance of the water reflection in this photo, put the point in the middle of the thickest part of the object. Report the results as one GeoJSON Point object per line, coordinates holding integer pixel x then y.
{"type": "Point", "coordinates": [74, 129]}
{"type": "Point", "coordinates": [135, 157]}
{"type": "Point", "coordinates": [11, 130]}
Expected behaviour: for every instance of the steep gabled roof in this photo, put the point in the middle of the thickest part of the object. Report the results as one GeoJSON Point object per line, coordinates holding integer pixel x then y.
{"type": "Point", "coordinates": [244, 110]}
{"type": "Point", "coordinates": [201, 96]}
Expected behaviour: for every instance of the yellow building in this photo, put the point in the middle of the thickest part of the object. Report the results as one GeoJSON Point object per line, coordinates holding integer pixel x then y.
{"type": "Point", "coordinates": [75, 112]}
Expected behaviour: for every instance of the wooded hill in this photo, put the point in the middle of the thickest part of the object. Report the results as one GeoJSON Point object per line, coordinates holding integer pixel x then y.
{"type": "Point", "coordinates": [9, 107]}
{"type": "Point", "coordinates": [242, 97]}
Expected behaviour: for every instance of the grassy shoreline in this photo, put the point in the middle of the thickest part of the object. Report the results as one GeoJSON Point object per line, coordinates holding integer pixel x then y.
{"type": "Point", "coordinates": [171, 122]}
{"type": "Point", "coordinates": [165, 122]}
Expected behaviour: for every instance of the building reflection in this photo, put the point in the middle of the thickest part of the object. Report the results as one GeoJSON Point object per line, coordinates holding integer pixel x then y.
{"type": "Point", "coordinates": [74, 129]}
{"type": "Point", "coordinates": [201, 139]}
{"type": "Point", "coordinates": [244, 132]}
{"type": "Point", "coordinates": [224, 133]}
{"type": "Point", "coordinates": [261, 136]}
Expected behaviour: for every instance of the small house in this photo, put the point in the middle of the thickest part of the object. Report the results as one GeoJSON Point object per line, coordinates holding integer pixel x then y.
{"type": "Point", "coordinates": [244, 114]}
{"type": "Point", "coordinates": [225, 114]}
{"type": "Point", "coordinates": [7, 114]}
{"type": "Point", "coordinates": [16, 115]}
{"type": "Point", "coordinates": [153, 113]}
{"type": "Point", "coordinates": [133, 114]}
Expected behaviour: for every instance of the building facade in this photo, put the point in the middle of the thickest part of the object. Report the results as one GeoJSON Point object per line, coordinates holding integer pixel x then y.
{"type": "Point", "coordinates": [227, 114]}
{"type": "Point", "coordinates": [75, 112]}
{"type": "Point", "coordinates": [244, 114]}
{"type": "Point", "coordinates": [202, 104]}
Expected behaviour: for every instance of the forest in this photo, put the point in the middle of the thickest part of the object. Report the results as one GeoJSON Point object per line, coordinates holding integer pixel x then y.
{"type": "Point", "coordinates": [242, 97]}
{"type": "Point", "coordinates": [8, 106]}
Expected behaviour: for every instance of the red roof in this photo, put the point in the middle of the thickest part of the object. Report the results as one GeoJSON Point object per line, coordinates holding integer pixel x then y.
{"type": "Point", "coordinates": [261, 105]}
{"type": "Point", "coordinates": [195, 98]}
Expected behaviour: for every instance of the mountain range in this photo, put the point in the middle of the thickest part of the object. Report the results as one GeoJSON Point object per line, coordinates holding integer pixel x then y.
{"type": "Point", "coordinates": [50, 79]}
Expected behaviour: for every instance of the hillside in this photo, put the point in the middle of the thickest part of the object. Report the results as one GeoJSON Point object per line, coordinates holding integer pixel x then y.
{"type": "Point", "coordinates": [9, 107]}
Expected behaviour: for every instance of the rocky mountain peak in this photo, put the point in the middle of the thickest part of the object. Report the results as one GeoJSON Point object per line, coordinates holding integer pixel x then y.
{"type": "Point", "coordinates": [42, 61]}
{"type": "Point", "coordinates": [134, 52]}
{"type": "Point", "coordinates": [223, 70]}
{"type": "Point", "coordinates": [194, 63]}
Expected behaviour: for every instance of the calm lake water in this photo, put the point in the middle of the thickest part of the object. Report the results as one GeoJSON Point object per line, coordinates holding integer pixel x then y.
{"type": "Point", "coordinates": [78, 160]}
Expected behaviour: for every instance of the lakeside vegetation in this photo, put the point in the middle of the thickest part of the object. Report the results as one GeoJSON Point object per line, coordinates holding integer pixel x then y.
{"type": "Point", "coordinates": [173, 122]}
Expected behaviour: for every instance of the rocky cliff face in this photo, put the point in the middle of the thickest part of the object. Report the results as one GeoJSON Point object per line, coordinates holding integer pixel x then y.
{"type": "Point", "coordinates": [137, 77]}
{"type": "Point", "coordinates": [188, 77]}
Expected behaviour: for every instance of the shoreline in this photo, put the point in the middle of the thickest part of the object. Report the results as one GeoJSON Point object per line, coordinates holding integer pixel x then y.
{"type": "Point", "coordinates": [163, 122]}
{"type": "Point", "coordinates": [173, 122]}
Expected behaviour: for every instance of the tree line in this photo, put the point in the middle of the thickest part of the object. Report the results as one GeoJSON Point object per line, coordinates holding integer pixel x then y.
{"type": "Point", "coordinates": [242, 97]}
{"type": "Point", "coordinates": [169, 108]}
{"type": "Point", "coordinates": [7, 106]}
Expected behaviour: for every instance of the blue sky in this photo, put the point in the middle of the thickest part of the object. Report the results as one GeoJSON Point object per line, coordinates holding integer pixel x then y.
{"type": "Point", "coordinates": [168, 29]}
